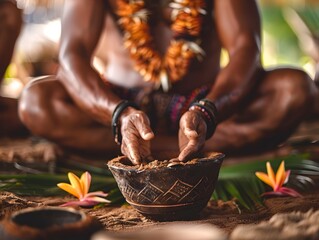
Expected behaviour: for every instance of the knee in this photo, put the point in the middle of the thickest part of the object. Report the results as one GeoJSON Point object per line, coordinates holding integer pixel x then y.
{"type": "Point", "coordinates": [11, 18]}
{"type": "Point", "coordinates": [303, 90]}
{"type": "Point", "coordinates": [296, 90]}
{"type": "Point", "coordinates": [34, 111]}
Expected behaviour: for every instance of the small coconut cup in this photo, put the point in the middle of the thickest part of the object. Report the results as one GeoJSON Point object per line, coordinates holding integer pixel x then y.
{"type": "Point", "coordinates": [48, 223]}
{"type": "Point", "coordinates": [166, 193]}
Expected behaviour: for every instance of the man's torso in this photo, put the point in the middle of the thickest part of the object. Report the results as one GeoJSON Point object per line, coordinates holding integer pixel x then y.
{"type": "Point", "coordinates": [120, 68]}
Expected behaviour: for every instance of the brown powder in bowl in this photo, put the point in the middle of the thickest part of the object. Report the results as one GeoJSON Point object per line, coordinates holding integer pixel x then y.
{"type": "Point", "coordinates": [124, 162]}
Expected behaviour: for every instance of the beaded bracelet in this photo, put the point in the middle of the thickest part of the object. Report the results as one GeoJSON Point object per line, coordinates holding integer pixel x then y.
{"type": "Point", "coordinates": [210, 105]}
{"type": "Point", "coordinates": [179, 104]}
{"type": "Point", "coordinates": [116, 128]}
{"type": "Point", "coordinates": [209, 113]}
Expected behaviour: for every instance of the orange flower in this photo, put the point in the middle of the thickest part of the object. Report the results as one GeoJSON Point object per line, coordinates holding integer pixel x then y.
{"type": "Point", "coordinates": [79, 188]}
{"type": "Point", "coordinates": [277, 181]}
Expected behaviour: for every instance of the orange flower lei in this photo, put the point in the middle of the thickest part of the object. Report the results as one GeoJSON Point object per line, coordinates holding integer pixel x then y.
{"type": "Point", "coordinates": [187, 16]}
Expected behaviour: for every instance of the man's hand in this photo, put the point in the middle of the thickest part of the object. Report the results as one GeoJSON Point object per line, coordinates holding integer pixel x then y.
{"type": "Point", "coordinates": [136, 136]}
{"type": "Point", "coordinates": [192, 134]}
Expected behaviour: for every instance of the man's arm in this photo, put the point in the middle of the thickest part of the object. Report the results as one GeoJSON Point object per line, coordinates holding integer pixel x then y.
{"type": "Point", "coordinates": [82, 23]}
{"type": "Point", "coordinates": [238, 27]}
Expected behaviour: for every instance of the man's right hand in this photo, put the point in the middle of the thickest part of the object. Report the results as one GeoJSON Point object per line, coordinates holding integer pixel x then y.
{"type": "Point", "coordinates": [136, 135]}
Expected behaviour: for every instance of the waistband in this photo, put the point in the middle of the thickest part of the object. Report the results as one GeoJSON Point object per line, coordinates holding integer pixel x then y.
{"type": "Point", "coordinates": [167, 107]}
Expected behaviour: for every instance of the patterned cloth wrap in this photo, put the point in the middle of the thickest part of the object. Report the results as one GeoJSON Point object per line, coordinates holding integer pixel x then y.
{"type": "Point", "coordinates": [162, 107]}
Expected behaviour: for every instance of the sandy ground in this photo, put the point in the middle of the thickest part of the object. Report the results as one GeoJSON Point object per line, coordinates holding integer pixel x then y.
{"type": "Point", "coordinates": [225, 215]}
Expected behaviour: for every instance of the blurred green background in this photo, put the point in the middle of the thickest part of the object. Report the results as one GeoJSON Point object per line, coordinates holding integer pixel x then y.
{"type": "Point", "coordinates": [290, 33]}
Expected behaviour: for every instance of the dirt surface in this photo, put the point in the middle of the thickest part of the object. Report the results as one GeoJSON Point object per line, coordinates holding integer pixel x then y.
{"type": "Point", "coordinates": [123, 162]}
{"type": "Point", "coordinates": [224, 215]}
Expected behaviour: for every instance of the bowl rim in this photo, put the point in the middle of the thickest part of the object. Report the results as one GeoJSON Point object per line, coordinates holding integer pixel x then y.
{"type": "Point", "coordinates": [213, 157]}
{"type": "Point", "coordinates": [82, 215]}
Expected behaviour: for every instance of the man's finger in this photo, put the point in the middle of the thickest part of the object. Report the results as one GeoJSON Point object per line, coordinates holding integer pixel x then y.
{"type": "Point", "coordinates": [189, 127]}
{"type": "Point", "coordinates": [191, 148]}
{"type": "Point", "coordinates": [144, 129]}
{"type": "Point", "coordinates": [135, 157]}
{"type": "Point", "coordinates": [124, 150]}
{"type": "Point", "coordinates": [132, 150]}
{"type": "Point", "coordinates": [190, 133]}
{"type": "Point", "coordinates": [145, 151]}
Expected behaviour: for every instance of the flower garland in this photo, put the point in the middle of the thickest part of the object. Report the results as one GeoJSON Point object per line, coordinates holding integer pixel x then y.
{"type": "Point", "coordinates": [187, 17]}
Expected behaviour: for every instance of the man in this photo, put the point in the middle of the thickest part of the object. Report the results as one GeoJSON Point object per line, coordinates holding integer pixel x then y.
{"type": "Point", "coordinates": [164, 56]}
{"type": "Point", "coordinates": [10, 24]}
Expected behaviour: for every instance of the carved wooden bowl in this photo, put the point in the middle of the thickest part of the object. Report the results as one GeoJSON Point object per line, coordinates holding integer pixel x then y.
{"type": "Point", "coordinates": [48, 223]}
{"type": "Point", "coordinates": [168, 193]}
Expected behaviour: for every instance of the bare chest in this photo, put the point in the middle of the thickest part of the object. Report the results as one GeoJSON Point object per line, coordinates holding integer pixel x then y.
{"type": "Point", "coordinates": [160, 19]}
{"type": "Point", "coordinates": [160, 22]}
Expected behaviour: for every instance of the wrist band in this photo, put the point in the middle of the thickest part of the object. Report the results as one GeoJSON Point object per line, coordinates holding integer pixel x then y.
{"type": "Point", "coordinates": [209, 113]}
{"type": "Point", "coordinates": [116, 128]}
{"type": "Point", "coordinates": [210, 105]}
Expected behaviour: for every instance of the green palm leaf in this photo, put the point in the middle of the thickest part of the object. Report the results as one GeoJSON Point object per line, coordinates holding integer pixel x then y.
{"type": "Point", "coordinates": [45, 184]}
{"type": "Point", "coordinates": [33, 181]}
{"type": "Point", "coordinates": [239, 182]}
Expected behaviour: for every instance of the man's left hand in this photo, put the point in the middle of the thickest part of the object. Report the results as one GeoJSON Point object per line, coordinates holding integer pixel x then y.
{"type": "Point", "coordinates": [192, 134]}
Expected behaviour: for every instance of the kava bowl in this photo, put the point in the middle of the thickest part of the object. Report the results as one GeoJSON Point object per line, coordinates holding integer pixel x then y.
{"type": "Point", "coordinates": [168, 193]}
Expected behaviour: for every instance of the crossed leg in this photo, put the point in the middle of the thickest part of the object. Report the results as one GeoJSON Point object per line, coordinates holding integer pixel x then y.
{"type": "Point", "coordinates": [272, 112]}
{"type": "Point", "coordinates": [48, 111]}
{"type": "Point", "coordinates": [284, 98]}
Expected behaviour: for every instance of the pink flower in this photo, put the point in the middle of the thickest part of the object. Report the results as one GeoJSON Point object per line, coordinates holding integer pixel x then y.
{"type": "Point", "coordinates": [79, 188]}
{"type": "Point", "coordinates": [277, 181]}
